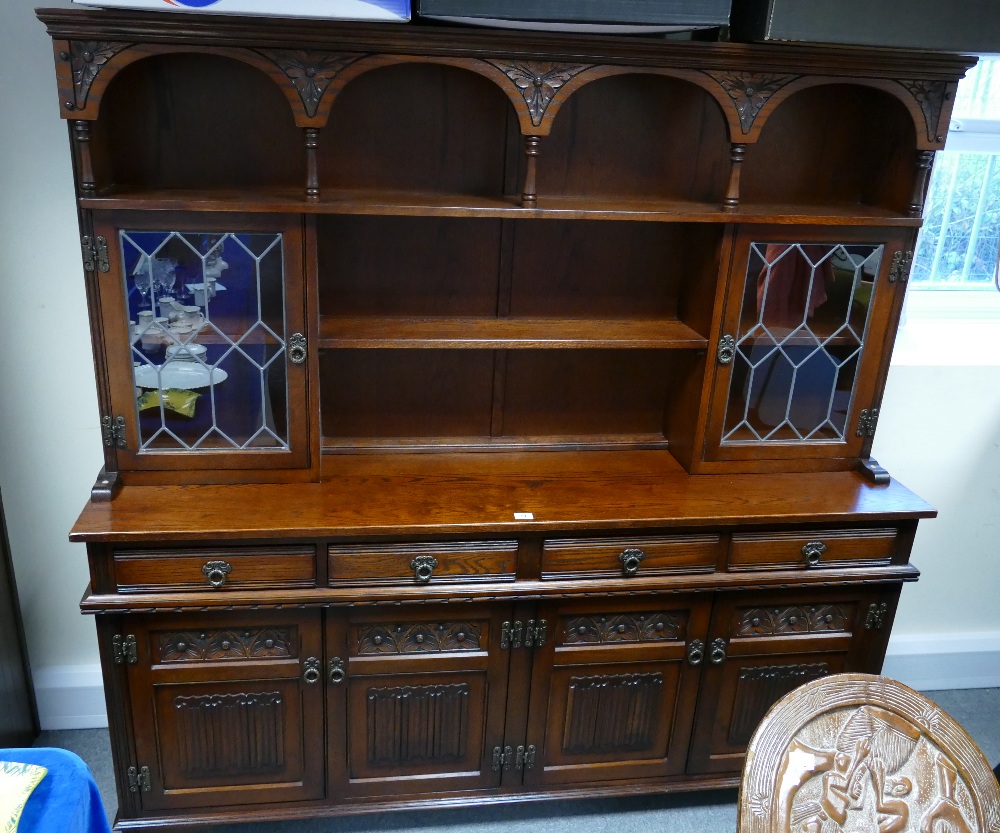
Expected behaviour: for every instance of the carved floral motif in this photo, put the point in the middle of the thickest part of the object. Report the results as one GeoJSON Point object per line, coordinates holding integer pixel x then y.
{"type": "Point", "coordinates": [750, 91]}
{"type": "Point", "coordinates": [311, 73]}
{"type": "Point", "coordinates": [87, 58]}
{"type": "Point", "coordinates": [538, 81]}
{"type": "Point", "coordinates": [779, 621]}
{"type": "Point", "coordinates": [236, 643]}
{"type": "Point", "coordinates": [424, 637]}
{"type": "Point", "coordinates": [626, 627]}
{"type": "Point", "coordinates": [930, 95]}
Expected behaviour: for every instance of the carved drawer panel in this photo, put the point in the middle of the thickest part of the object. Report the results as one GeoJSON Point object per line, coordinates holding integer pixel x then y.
{"type": "Point", "coordinates": [214, 569]}
{"type": "Point", "coordinates": [623, 628]}
{"type": "Point", "coordinates": [793, 620]}
{"type": "Point", "coordinates": [627, 557]}
{"type": "Point", "coordinates": [423, 564]}
{"type": "Point", "coordinates": [236, 643]}
{"type": "Point", "coordinates": [443, 637]}
{"type": "Point", "coordinates": [811, 550]}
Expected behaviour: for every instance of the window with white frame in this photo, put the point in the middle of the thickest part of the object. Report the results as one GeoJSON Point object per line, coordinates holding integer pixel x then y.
{"type": "Point", "coordinates": [958, 246]}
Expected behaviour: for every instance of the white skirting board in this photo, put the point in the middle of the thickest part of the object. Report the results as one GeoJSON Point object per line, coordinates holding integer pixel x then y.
{"type": "Point", "coordinates": [72, 696]}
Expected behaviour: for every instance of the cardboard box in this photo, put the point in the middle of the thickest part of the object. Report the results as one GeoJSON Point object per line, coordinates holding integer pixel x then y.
{"type": "Point", "coordinates": [969, 26]}
{"type": "Point", "coordinates": [392, 11]}
{"type": "Point", "coordinates": [582, 15]}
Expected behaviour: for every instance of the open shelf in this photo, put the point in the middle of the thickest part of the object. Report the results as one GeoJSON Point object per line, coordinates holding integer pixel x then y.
{"type": "Point", "coordinates": [506, 333]}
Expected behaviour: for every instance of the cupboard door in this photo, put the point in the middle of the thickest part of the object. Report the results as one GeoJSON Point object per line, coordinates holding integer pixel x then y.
{"type": "Point", "coordinates": [227, 708]}
{"type": "Point", "coordinates": [416, 699]}
{"type": "Point", "coordinates": [806, 322]}
{"type": "Point", "coordinates": [204, 322]}
{"type": "Point", "coordinates": [613, 689]}
{"type": "Point", "coordinates": [763, 646]}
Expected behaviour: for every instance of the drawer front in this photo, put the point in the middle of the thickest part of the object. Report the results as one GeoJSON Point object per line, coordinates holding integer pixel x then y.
{"type": "Point", "coordinates": [221, 569]}
{"type": "Point", "coordinates": [423, 564]}
{"type": "Point", "coordinates": [629, 557]}
{"type": "Point", "coordinates": [811, 550]}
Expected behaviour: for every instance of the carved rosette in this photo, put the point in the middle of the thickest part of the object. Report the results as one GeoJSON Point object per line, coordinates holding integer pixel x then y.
{"type": "Point", "coordinates": [422, 638]}
{"type": "Point", "coordinates": [930, 95]}
{"type": "Point", "coordinates": [779, 621]}
{"type": "Point", "coordinates": [750, 91]}
{"type": "Point", "coordinates": [87, 59]}
{"type": "Point", "coordinates": [538, 82]}
{"type": "Point", "coordinates": [311, 73]}
{"type": "Point", "coordinates": [631, 627]}
{"type": "Point", "coordinates": [238, 643]}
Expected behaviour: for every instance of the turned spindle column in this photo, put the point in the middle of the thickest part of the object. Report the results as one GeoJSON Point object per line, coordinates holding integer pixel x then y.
{"type": "Point", "coordinates": [312, 165]}
{"type": "Point", "coordinates": [529, 194]}
{"type": "Point", "coordinates": [85, 166]}
{"type": "Point", "coordinates": [925, 159]}
{"type": "Point", "coordinates": [732, 200]}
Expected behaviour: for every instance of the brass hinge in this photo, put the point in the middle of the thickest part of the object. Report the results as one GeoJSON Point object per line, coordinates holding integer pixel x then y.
{"type": "Point", "coordinates": [525, 758]}
{"type": "Point", "coordinates": [517, 633]}
{"type": "Point", "coordinates": [899, 272]}
{"type": "Point", "coordinates": [113, 431]}
{"type": "Point", "coordinates": [867, 422]}
{"type": "Point", "coordinates": [876, 616]}
{"type": "Point", "coordinates": [503, 756]}
{"type": "Point", "coordinates": [125, 649]}
{"type": "Point", "coordinates": [534, 633]}
{"type": "Point", "coordinates": [138, 779]}
{"type": "Point", "coordinates": [95, 254]}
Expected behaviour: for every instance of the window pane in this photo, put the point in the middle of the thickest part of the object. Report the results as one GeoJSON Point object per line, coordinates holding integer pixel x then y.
{"type": "Point", "coordinates": [978, 95]}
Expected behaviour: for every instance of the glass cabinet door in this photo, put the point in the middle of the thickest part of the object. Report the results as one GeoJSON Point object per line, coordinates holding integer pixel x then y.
{"type": "Point", "coordinates": [793, 369]}
{"type": "Point", "coordinates": [204, 331]}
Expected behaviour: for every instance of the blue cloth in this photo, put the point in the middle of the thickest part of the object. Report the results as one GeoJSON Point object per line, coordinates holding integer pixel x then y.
{"type": "Point", "coordinates": [66, 800]}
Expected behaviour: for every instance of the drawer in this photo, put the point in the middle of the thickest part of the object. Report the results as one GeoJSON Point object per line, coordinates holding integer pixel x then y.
{"type": "Point", "coordinates": [626, 557]}
{"type": "Point", "coordinates": [223, 568]}
{"type": "Point", "coordinates": [815, 549]}
{"type": "Point", "coordinates": [423, 564]}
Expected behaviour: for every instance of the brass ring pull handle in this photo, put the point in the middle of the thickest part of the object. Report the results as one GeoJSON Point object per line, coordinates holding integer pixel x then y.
{"type": "Point", "coordinates": [695, 652]}
{"type": "Point", "coordinates": [337, 672]}
{"type": "Point", "coordinates": [423, 567]}
{"type": "Point", "coordinates": [631, 559]}
{"type": "Point", "coordinates": [718, 654]}
{"type": "Point", "coordinates": [297, 348]}
{"type": "Point", "coordinates": [813, 552]}
{"type": "Point", "coordinates": [216, 572]}
{"type": "Point", "coordinates": [311, 673]}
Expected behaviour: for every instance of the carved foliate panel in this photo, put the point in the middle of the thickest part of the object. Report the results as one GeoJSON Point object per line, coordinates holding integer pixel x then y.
{"type": "Point", "coordinates": [930, 95]}
{"type": "Point", "coordinates": [612, 713]}
{"type": "Point", "coordinates": [759, 688]}
{"type": "Point", "coordinates": [623, 627]}
{"type": "Point", "coordinates": [235, 643]}
{"type": "Point", "coordinates": [87, 59]}
{"type": "Point", "coordinates": [750, 91]}
{"type": "Point", "coordinates": [857, 753]}
{"type": "Point", "coordinates": [538, 82]}
{"type": "Point", "coordinates": [409, 725]}
{"type": "Point", "coordinates": [421, 638]}
{"type": "Point", "coordinates": [311, 73]}
{"type": "Point", "coordinates": [787, 621]}
{"type": "Point", "coordinates": [230, 734]}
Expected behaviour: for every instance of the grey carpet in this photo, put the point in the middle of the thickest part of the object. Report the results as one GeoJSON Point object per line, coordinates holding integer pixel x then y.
{"type": "Point", "coordinates": [978, 710]}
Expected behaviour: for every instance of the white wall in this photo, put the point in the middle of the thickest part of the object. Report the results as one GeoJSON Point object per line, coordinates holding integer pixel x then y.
{"type": "Point", "coordinates": [939, 433]}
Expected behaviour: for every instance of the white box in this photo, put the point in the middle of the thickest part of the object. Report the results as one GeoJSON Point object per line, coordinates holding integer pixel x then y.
{"type": "Point", "coordinates": [389, 11]}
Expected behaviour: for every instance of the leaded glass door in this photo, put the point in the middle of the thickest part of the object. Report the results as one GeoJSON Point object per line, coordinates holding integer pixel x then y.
{"type": "Point", "coordinates": [207, 356]}
{"type": "Point", "coordinates": [794, 364]}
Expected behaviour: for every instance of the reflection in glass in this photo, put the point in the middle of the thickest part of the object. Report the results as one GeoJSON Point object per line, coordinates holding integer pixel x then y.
{"type": "Point", "coordinates": [207, 337]}
{"type": "Point", "coordinates": [802, 327]}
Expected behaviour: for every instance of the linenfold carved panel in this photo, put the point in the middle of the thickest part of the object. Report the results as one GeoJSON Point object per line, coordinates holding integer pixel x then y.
{"type": "Point", "coordinates": [622, 627]}
{"type": "Point", "coordinates": [409, 725]}
{"type": "Point", "coordinates": [857, 753]}
{"type": "Point", "coordinates": [538, 81]}
{"type": "Point", "coordinates": [420, 638]}
{"type": "Point", "coordinates": [784, 621]}
{"type": "Point", "coordinates": [230, 734]}
{"type": "Point", "coordinates": [234, 643]}
{"type": "Point", "coordinates": [759, 688]}
{"type": "Point", "coordinates": [612, 713]}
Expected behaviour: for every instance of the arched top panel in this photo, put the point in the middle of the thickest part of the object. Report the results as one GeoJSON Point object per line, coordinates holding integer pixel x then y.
{"type": "Point", "coordinates": [426, 126]}
{"type": "Point", "coordinates": [194, 120]}
{"type": "Point", "coordinates": [630, 135]}
{"type": "Point", "coordinates": [833, 143]}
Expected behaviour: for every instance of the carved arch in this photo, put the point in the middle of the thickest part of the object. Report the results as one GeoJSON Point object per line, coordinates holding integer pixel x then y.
{"type": "Point", "coordinates": [926, 137]}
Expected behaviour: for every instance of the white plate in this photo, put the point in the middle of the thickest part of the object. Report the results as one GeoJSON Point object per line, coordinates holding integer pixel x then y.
{"type": "Point", "coordinates": [182, 375]}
